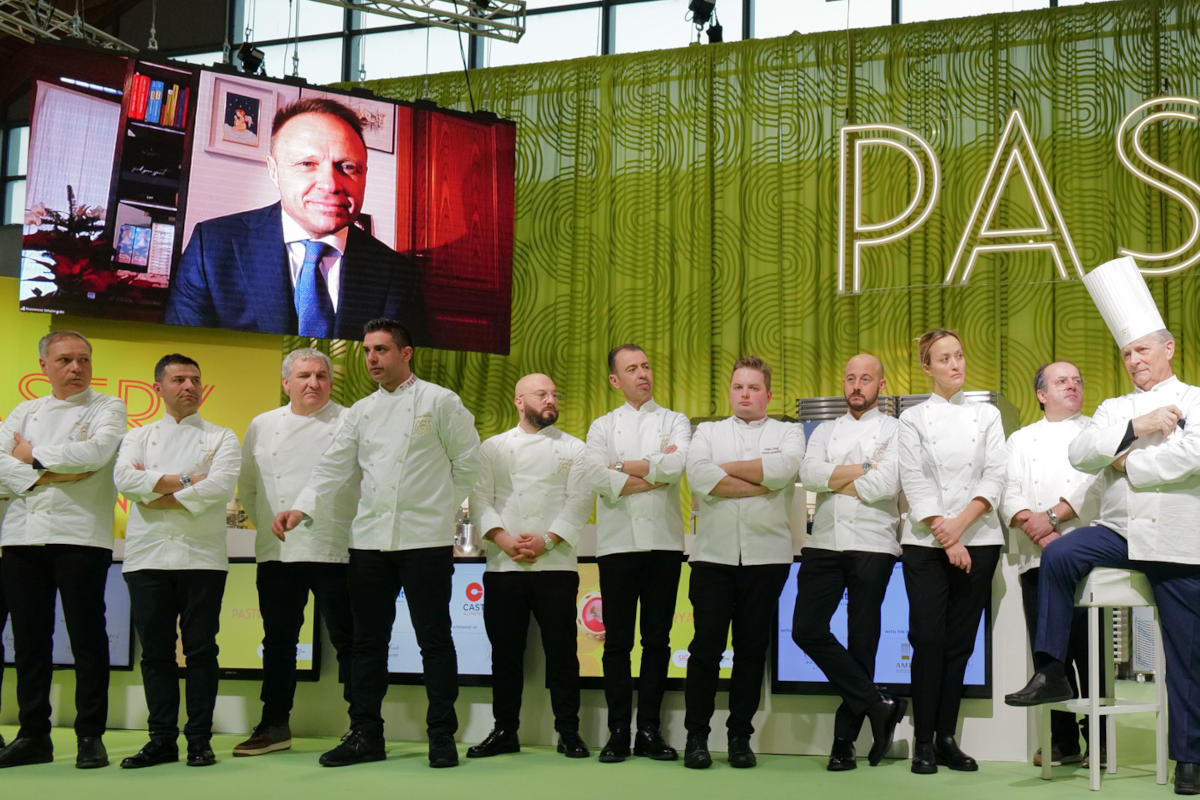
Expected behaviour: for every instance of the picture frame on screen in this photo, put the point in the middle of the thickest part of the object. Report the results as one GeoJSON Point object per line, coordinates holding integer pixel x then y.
{"type": "Point", "coordinates": [378, 118]}
{"type": "Point", "coordinates": [118, 622]}
{"type": "Point", "coordinates": [793, 672]}
{"type": "Point", "coordinates": [240, 125]}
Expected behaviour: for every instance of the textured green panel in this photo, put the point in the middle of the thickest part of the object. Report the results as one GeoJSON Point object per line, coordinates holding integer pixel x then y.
{"type": "Point", "coordinates": [687, 200]}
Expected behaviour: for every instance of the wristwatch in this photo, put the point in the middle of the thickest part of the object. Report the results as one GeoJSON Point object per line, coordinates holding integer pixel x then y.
{"type": "Point", "coordinates": [867, 466]}
{"type": "Point", "coordinates": [549, 542]}
{"type": "Point", "coordinates": [619, 466]}
{"type": "Point", "coordinates": [186, 480]}
{"type": "Point", "coordinates": [1052, 517]}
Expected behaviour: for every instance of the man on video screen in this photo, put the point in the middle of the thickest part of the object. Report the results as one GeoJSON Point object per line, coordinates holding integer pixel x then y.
{"type": "Point", "coordinates": [300, 265]}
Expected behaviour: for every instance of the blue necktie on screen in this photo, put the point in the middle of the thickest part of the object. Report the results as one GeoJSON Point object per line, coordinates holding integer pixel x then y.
{"type": "Point", "coordinates": [313, 307]}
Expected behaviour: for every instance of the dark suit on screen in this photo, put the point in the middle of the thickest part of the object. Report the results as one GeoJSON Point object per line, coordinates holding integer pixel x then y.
{"type": "Point", "coordinates": [235, 274]}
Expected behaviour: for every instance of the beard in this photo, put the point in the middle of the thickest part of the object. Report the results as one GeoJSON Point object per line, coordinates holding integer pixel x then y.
{"type": "Point", "coordinates": [545, 419]}
{"type": "Point", "coordinates": [861, 402]}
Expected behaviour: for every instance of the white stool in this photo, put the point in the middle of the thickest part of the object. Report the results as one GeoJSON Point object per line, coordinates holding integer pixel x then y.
{"type": "Point", "coordinates": [1105, 587]}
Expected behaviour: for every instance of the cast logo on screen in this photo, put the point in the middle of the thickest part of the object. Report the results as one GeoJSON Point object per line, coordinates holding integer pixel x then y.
{"type": "Point", "coordinates": [680, 659]}
{"type": "Point", "coordinates": [474, 593]}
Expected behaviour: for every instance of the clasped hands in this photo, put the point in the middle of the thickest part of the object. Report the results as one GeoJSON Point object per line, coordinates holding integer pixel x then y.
{"type": "Point", "coordinates": [1036, 526]}
{"type": "Point", "coordinates": [948, 531]}
{"type": "Point", "coordinates": [526, 547]}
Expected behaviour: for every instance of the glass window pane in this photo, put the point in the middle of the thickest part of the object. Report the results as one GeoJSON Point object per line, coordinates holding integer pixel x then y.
{"type": "Point", "coordinates": [783, 17]}
{"type": "Point", "coordinates": [14, 203]}
{"type": "Point", "coordinates": [663, 24]}
{"type": "Point", "coordinates": [267, 19]}
{"type": "Point", "coordinates": [17, 141]}
{"type": "Point", "coordinates": [320, 18]}
{"type": "Point", "coordinates": [552, 36]}
{"type": "Point", "coordinates": [204, 59]}
{"type": "Point", "coordinates": [529, 4]}
{"type": "Point", "coordinates": [419, 51]}
{"type": "Point", "coordinates": [922, 10]}
{"type": "Point", "coordinates": [320, 61]}
{"type": "Point", "coordinates": [1080, 2]}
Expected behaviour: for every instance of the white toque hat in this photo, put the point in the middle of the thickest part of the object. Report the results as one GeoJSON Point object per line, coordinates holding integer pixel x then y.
{"type": "Point", "coordinates": [1123, 299]}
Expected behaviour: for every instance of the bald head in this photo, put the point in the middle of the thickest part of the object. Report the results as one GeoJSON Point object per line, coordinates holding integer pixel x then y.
{"type": "Point", "coordinates": [862, 382]}
{"type": "Point", "coordinates": [536, 401]}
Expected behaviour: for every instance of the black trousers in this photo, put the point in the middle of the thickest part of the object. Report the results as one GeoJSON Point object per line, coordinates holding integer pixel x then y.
{"type": "Point", "coordinates": [191, 598]}
{"type": "Point", "coordinates": [509, 600]}
{"type": "Point", "coordinates": [375, 579]}
{"type": "Point", "coordinates": [32, 574]}
{"type": "Point", "coordinates": [822, 578]}
{"type": "Point", "coordinates": [283, 589]}
{"type": "Point", "coordinates": [744, 598]}
{"type": "Point", "coordinates": [944, 609]}
{"type": "Point", "coordinates": [625, 578]}
{"type": "Point", "coordinates": [1064, 730]}
{"type": "Point", "coordinates": [3, 622]}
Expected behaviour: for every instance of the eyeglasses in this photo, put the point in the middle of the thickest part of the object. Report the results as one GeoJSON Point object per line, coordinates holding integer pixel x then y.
{"type": "Point", "coordinates": [1060, 382]}
{"type": "Point", "coordinates": [542, 395]}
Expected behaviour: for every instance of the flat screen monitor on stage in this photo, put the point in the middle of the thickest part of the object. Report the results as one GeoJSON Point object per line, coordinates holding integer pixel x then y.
{"type": "Point", "coordinates": [589, 621]}
{"type": "Point", "coordinates": [466, 619]}
{"type": "Point", "coordinates": [153, 194]}
{"type": "Point", "coordinates": [241, 634]}
{"type": "Point", "coordinates": [117, 621]}
{"type": "Point", "coordinates": [795, 672]}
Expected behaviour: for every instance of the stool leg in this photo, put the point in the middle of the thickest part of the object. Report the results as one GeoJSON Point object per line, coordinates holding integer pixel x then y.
{"type": "Point", "coordinates": [1094, 692]}
{"type": "Point", "coordinates": [1110, 686]}
{"type": "Point", "coordinates": [1160, 717]}
{"type": "Point", "coordinates": [1043, 739]}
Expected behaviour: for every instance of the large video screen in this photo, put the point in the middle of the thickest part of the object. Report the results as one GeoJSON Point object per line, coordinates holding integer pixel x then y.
{"type": "Point", "coordinates": [240, 636]}
{"type": "Point", "coordinates": [795, 672]}
{"type": "Point", "coordinates": [118, 623]}
{"type": "Point", "coordinates": [466, 619]}
{"type": "Point", "coordinates": [159, 191]}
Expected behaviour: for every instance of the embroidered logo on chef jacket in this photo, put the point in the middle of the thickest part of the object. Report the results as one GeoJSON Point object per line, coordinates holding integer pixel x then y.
{"type": "Point", "coordinates": [564, 465]}
{"type": "Point", "coordinates": [423, 424]}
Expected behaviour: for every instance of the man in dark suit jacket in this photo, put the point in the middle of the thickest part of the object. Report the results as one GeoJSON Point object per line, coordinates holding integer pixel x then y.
{"type": "Point", "coordinates": [299, 265]}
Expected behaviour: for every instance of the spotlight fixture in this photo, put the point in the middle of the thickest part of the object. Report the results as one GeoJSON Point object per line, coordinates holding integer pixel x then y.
{"type": "Point", "coordinates": [701, 11]}
{"type": "Point", "coordinates": [251, 58]}
{"type": "Point", "coordinates": [716, 33]}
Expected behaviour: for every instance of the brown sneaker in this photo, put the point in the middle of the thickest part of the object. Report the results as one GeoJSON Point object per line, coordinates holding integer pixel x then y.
{"type": "Point", "coordinates": [266, 739]}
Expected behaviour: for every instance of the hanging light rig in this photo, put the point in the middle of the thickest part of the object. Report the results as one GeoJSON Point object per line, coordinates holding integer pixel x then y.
{"type": "Point", "coordinates": [700, 13]}
{"type": "Point", "coordinates": [495, 19]}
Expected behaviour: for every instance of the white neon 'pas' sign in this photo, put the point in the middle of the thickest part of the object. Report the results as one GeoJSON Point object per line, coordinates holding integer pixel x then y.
{"type": "Point", "coordinates": [1015, 157]}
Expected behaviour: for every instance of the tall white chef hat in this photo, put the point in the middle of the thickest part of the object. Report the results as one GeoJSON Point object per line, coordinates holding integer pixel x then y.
{"type": "Point", "coordinates": [1123, 299]}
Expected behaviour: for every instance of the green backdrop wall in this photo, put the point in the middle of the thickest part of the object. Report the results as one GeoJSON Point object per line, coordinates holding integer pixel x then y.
{"type": "Point", "coordinates": [687, 200]}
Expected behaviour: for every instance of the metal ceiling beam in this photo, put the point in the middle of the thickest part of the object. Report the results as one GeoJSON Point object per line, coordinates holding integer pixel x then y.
{"type": "Point", "coordinates": [29, 20]}
{"type": "Point", "coordinates": [495, 19]}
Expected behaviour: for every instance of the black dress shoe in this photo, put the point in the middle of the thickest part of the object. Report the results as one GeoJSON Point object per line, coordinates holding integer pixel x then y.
{"type": "Point", "coordinates": [649, 742]}
{"type": "Point", "coordinates": [154, 752]}
{"type": "Point", "coordinates": [357, 747]}
{"type": "Point", "coordinates": [841, 756]}
{"type": "Point", "coordinates": [200, 755]}
{"type": "Point", "coordinates": [740, 754]}
{"type": "Point", "coordinates": [924, 762]}
{"type": "Point", "coordinates": [947, 753]}
{"type": "Point", "coordinates": [442, 751]}
{"type": "Point", "coordinates": [91, 753]}
{"type": "Point", "coordinates": [616, 749]}
{"type": "Point", "coordinates": [570, 745]}
{"type": "Point", "coordinates": [497, 742]}
{"type": "Point", "coordinates": [1048, 685]}
{"type": "Point", "coordinates": [695, 752]}
{"type": "Point", "coordinates": [1187, 777]}
{"type": "Point", "coordinates": [884, 716]}
{"type": "Point", "coordinates": [27, 750]}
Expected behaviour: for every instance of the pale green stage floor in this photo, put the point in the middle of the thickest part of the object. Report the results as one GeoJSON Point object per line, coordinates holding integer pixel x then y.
{"type": "Point", "coordinates": [538, 772]}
